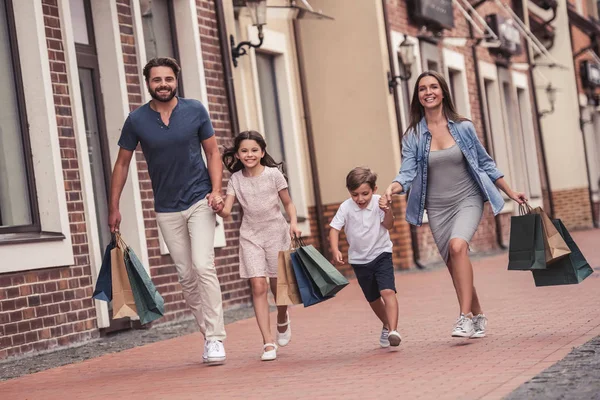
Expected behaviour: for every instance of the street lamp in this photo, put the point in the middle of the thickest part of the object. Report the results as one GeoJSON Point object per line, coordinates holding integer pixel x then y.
{"type": "Point", "coordinates": [406, 58]}
{"type": "Point", "coordinates": [551, 94]}
{"type": "Point", "coordinates": [258, 14]}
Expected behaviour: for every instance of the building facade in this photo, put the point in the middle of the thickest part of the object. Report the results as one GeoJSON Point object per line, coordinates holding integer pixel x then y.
{"type": "Point", "coordinates": [328, 86]}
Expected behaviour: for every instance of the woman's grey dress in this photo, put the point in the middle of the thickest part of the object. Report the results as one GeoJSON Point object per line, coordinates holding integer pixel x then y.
{"type": "Point", "coordinates": [454, 203]}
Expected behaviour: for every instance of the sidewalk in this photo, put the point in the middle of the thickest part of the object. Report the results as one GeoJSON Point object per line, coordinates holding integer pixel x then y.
{"type": "Point", "coordinates": [335, 354]}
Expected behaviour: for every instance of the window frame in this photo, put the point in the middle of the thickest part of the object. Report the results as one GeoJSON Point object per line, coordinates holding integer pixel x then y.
{"type": "Point", "coordinates": [35, 225]}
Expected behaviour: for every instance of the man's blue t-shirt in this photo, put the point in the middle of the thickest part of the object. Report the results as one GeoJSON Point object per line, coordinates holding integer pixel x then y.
{"type": "Point", "coordinates": [178, 173]}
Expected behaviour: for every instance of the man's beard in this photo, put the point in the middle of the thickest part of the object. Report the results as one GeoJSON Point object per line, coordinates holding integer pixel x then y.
{"type": "Point", "coordinates": [157, 97]}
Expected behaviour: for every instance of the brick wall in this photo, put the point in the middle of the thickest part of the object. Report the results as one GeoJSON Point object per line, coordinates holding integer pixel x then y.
{"type": "Point", "coordinates": [573, 208]}
{"type": "Point", "coordinates": [52, 307]}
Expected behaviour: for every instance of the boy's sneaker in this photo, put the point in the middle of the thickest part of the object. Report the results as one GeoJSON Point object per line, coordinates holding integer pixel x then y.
{"type": "Point", "coordinates": [464, 326]}
{"type": "Point", "coordinates": [394, 338]}
{"type": "Point", "coordinates": [214, 352]}
{"type": "Point", "coordinates": [383, 339]}
{"type": "Point", "coordinates": [479, 325]}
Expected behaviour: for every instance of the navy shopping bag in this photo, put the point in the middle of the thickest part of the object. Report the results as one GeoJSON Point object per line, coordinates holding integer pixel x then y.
{"type": "Point", "coordinates": [103, 289]}
{"type": "Point", "coordinates": [308, 292]}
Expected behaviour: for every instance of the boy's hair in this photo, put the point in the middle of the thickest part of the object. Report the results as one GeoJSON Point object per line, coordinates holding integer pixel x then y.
{"type": "Point", "coordinates": [360, 175]}
{"type": "Point", "coordinates": [161, 62]}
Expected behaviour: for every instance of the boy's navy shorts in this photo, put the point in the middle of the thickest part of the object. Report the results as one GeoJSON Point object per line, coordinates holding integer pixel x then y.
{"type": "Point", "coordinates": [376, 276]}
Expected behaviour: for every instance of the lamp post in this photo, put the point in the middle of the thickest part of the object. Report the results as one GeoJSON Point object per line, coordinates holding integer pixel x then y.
{"type": "Point", "coordinates": [258, 14]}
{"type": "Point", "coordinates": [551, 94]}
{"type": "Point", "coordinates": [406, 53]}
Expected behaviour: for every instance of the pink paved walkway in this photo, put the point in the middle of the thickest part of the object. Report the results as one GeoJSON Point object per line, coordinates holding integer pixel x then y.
{"type": "Point", "coordinates": [335, 354]}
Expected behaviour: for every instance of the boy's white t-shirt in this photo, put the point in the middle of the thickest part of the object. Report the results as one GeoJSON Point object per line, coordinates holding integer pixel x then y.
{"type": "Point", "coordinates": [367, 237]}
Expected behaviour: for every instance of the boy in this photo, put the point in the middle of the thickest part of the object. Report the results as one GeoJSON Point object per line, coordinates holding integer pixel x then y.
{"type": "Point", "coordinates": [370, 253]}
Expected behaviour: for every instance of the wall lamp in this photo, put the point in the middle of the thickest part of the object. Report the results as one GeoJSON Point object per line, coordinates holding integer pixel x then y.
{"type": "Point", "coordinates": [551, 94]}
{"type": "Point", "coordinates": [258, 14]}
{"type": "Point", "coordinates": [406, 57]}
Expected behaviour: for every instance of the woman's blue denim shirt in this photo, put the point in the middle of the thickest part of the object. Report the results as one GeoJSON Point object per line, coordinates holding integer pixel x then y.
{"type": "Point", "coordinates": [415, 157]}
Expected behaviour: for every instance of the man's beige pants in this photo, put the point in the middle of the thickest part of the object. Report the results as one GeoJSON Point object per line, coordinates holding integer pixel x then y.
{"type": "Point", "coordinates": [189, 236]}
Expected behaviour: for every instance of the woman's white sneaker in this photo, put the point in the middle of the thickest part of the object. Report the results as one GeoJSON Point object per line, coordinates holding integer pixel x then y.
{"type": "Point", "coordinates": [394, 338]}
{"type": "Point", "coordinates": [479, 325]}
{"type": "Point", "coordinates": [269, 355]}
{"type": "Point", "coordinates": [464, 326]}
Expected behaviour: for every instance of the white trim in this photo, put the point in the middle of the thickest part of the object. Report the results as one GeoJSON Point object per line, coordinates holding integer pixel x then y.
{"type": "Point", "coordinates": [140, 47]}
{"type": "Point", "coordinates": [45, 147]}
{"type": "Point", "coordinates": [116, 108]}
{"type": "Point", "coordinates": [521, 82]}
{"type": "Point", "coordinates": [87, 188]}
{"type": "Point", "coordinates": [277, 43]}
{"type": "Point", "coordinates": [456, 61]}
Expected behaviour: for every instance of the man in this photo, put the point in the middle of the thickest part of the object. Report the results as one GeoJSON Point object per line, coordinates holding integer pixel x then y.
{"type": "Point", "coordinates": [172, 132]}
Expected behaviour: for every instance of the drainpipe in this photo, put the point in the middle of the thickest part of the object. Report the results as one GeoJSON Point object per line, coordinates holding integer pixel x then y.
{"type": "Point", "coordinates": [414, 238]}
{"type": "Point", "coordinates": [226, 60]}
{"type": "Point", "coordinates": [486, 128]}
{"type": "Point", "coordinates": [520, 10]}
{"type": "Point", "coordinates": [312, 155]}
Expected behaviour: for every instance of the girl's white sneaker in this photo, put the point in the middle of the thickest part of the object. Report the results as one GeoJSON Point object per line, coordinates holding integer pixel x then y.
{"type": "Point", "coordinates": [283, 338]}
{"type": "Point", "coordinates": [269, 355]}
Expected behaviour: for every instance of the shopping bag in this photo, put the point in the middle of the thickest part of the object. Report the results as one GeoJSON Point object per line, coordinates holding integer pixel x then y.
{"type": "Point", "coordinates": [555, 246]}
{"type": "Point", "coordinates": [568, 270]}
{"type": "Point", "coordinates": [325, 276]}
{"type": "Point", "coordinates": [526, 250]}
{"type": "Point", "coordinates": [287, 286]}
{"type": "Point", "coordinates": [309, 294]}
{"type": "Point", "coordinates": [123, 301]}
{"type": "Point", "coordinates": [149, 303]}
{"type": "Point", "coordinates": [103, 290]}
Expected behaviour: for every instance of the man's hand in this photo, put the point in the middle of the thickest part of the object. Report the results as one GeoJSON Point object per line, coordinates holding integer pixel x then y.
{"type": "Point", "coordinates": [338, 258]}
{"type": "Point", "coordinates": [114, 220]}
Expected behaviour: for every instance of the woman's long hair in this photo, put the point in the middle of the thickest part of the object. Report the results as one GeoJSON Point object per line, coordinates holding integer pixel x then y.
{"type": "Point", "coordinates": [233, 164]}
{"type": "Point", "coordinates": [417, 111]}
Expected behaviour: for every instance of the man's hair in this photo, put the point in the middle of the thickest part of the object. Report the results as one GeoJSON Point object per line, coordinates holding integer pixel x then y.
{"type": "Point", "coordinates": [360, 175]}
{"type": "Point", "coordinates": [161, 62]}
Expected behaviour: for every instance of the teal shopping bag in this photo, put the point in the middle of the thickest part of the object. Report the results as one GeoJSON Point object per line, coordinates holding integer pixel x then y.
{"type": "Point", "coordinates": [568, 270]}
{"type": "Point", "coordinates": [324, 275]}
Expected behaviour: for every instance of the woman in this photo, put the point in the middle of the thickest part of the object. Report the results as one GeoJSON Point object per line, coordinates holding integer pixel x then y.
{"type": "Point", "coordinates": [453, 176]}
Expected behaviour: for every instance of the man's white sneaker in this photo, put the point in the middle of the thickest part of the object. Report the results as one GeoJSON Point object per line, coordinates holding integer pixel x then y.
{"type": "Point", "coordinates": [269, 355]}
{"type": "Point", "coordinates": [479, 325]}
{"type": "Point", "coordinates": [383, 339]}
{"type": "Point", "coordinates": [214, 352]}
{"type": "Point", "coordinates": [283, 338]}
{"type": "Point", "coordinates": [394, 338]}
{"type": "Point", "coordinates": [464, 326]}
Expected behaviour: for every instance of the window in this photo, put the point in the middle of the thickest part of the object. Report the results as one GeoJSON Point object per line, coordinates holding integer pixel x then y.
{"type": "Point", "coordinates": [160, 36]}
{"type": "Point", "coordinates": [18, 207]}
{"type": "Point", "coordinates": [93, 113]}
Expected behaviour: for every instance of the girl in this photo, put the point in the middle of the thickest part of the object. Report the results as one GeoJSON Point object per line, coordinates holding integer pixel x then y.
{"type": "Point", "coordinates": [258, 184]}
{"type": "Point", "coordinates": [453, 175]}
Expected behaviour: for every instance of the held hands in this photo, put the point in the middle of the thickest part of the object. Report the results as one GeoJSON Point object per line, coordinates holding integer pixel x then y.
{"type": "Point", "coordinates": [385, 204]}
{"type": "Point", "coordinates": [215, 201]}
{"type": "Point", "coordinates": [337, 257]}
{"type": "Point", "coordinates": [387, 196]}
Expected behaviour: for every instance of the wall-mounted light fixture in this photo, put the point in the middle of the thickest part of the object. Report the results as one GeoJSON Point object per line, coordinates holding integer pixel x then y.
{"type": "Point", "coordinates": [551, 94]}
{"type": "Point", "coordinates": [258, 14]}
{"type": "Point", "coordinates": [406, 57]}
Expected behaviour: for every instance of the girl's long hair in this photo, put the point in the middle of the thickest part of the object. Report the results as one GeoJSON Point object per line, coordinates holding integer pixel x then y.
{"type": "Point", "coordinates": [417, 112]}
{"type": "Point", "coordinates": [233, 164]}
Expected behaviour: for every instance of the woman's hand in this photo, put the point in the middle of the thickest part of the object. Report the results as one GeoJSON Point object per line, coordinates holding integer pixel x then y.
{"type": "Point", "coordinates": [295, 232]}
{"type": "Point", "coordinates": [387, 197]}
{"type": "Point", "coordinates": [384, 204]}
{"type": "Point", "coordinates": [519, 197]}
